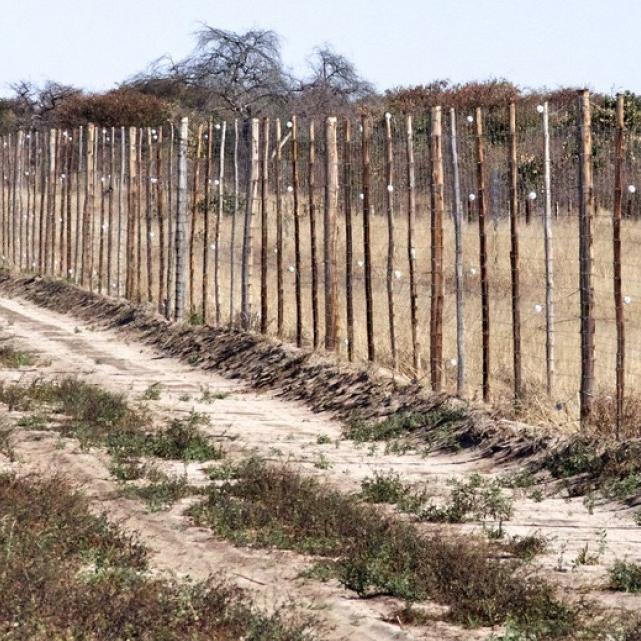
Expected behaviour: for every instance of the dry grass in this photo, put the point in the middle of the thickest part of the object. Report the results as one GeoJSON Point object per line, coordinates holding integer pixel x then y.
{"type": "Point", "coordinates": [561, 407]}
{"type": "Point", "coordinates": [69, 574]}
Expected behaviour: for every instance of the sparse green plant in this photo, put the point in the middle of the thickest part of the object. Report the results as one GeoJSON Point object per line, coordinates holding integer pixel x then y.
{"type": "Point", "coordinates": [637, 517]}
{"type": "Point", "coordinates": [536, 496]}
{"type": "Point", "coordinates": [34, 421]}
{"type": "Point", "coordinates": [625, 576]}
{"type": "Point", "coordinates": [384, 488]}
{"type": "Point", "coordinates": [527, 547]}
{"type": "Point", "coordinates": [323, 439]}
{"type": "Point", "coordinates": [184, 398]}
{"type": "Point", "coordinates": [152, 393]}
{"type": "Point", "coordinates": [322, 463]}
{"type": "Point", "coordinates": [13, 358]}
{"type": "Point", "coordinates": [476, 499]}
{"type": "Point", "coordinates": [163, 493]}
{"type": "Point", "coordinates": [207, 396]}
{"type": "Point", "coordinates": [68, 573]}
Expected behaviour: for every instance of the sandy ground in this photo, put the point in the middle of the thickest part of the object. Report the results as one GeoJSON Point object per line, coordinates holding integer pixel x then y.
{"type": "Point", "coordinates": [281, 430]}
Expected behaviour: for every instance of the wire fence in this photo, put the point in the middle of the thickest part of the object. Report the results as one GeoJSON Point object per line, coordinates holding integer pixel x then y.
{"type": "Point", "coordinates": [490, 254]}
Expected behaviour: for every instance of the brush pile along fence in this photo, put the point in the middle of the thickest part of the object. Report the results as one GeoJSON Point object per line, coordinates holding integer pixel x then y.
{"type": "Point", "coordinates": [491, 253]}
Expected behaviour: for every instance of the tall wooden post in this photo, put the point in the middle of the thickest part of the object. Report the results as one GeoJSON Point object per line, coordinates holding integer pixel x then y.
{"type": "Point", "coordinates": [411, 244]}
{"type": "Point", "coordinates": [389, 206]}
{"type": "Point", "coordinates": [207, 222]}
{"type": "Point", "coordinates": [111, 182]}
{"type": "Point", "coordinates": [149, 159]}
{"type": "Point", "coordinates": [330, 234]}
{"type": "Point", "coordinates": [549, 256]}
{"type": "Point", "coordinates": [515, 261]}
{"type": "Point", "coordinates": [616, 246]}
{"type": "Point", "coordinates": [234, 221]}
{"type": "Point", "coordinates": [219, 217]}
{"type": "Point", "coordinates": [367, 247]}
{"type": "Point", "coordinates": [77, 259]}
{"type": "Point", "coordinates": [586, 291]}
{"type": "Point", "coordinates": [160, 213]}
{"type": "Point", "coordinates": [280, 294]}
{"type": "Point", "coordinates": [172, 208]}
{"type": "Point", "coordinates": [297, 257]}
{"type": "Point", "coordinates": [264, 200]}
{"type": "Point", "coordinates": [247, 265]}
{"type": "Point", "coordinates": [485, 294]}
{"type": "Point", "coordinates": [458, 257]}
{"type": "Point", "coordinates": [87, 240]}
{"type": "Point", "coordinates": [132, 188]}
{"type": "Point", "coordinates": [311, 183]}
{"type": "Point", "coordinates": [348, 198]}
{"type": "Point", "coordinates": [181, 219]}
{"type": "Point", "coordinates": [195, 193]}
{"type": "Point", "coordinates": [436, 307]}
{"type": "Point", "coordinates": [102, 185]}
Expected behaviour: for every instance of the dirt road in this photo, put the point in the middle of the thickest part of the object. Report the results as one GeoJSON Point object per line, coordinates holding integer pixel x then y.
{"type": "Point", "coordinates": [246, 421]}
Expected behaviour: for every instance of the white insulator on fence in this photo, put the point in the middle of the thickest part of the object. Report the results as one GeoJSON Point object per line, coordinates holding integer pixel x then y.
{"type": "Point", "coordinates": [472, 197]}
{"type": "Point", "coordinates": [631, 189]}
{"type": "Point", "coordinates": [291, 269]}
{"type": "Point", "coordinates": [398, 274]}
{"type": "Point", "coordinates": [532, 195]}
{"type": "Point", "coordinates": [390, 188]}
{"type": "Point", "coordinates": [627, 299]}
{"type": "Point", "coordinates": [105, 226]}
{"type": "Point", "coordinates": [359, 263]}
{"type": "Point", "coordinates": [216, 182]}
{"type": "Point", "coordinates": [212, 246]}
{"type": "Point", "coordinates": [290, 189]}
{"type": "Point", "coordinates": [473, 271]}
{"type": "Point", "coordinates": [538, 308]}
{"type": "Point", "coordinates": [290, 124]}
{"type": "Point", "coordinates": [470, 119]}
{"type": "Point", "coordinates": [361, 196]}
{"type": "Point", "coordinates": [540, 108]}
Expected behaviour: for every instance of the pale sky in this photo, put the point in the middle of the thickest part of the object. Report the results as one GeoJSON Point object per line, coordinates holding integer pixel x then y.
{"type": "Point", "coordinates": [94, 43]}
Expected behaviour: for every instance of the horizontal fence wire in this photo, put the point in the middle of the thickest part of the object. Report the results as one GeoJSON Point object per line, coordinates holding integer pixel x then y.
{"type": "Point", "coordinates": [343, 233]}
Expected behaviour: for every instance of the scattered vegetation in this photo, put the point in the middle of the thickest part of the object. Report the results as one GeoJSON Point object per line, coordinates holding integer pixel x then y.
{"type": "Point", "coordinates": [323, 439]}
{"type": "Point", "coordinates": [207, 396]}
{"type": "Point", "coordinates": [13, 358]}
{"type": "Point", "coordinates": [625, 576]}
{"type": "Point", "coordinates": [436, 426]}
{"type": "Point", "coordinates": [69, 574]}
{"type": "Point", "coordinates": [162, 494]}
{"type": "Point", "coordinates": [272, 506]}
{"type": "Point", "coordinates": [527, 547]}
{"type": "Point", "coordinates": [152, 393]}
{"type": "Point", "coordinates": [475, 499]}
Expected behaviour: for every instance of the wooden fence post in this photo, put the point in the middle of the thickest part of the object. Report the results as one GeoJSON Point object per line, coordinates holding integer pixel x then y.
{"type": "Point", "coordinates": [194, 210]}
{"type": "Point", "coordinates": [207, 222]}
{"type": "Point", "coordinates": [77, 264]}
{"type": "Point", "coordinates": [549, 256]}
{"type": "Point", "coordinates": [296, 213]}
{"type": "Point", "coordinates": [458, 258]}
{"type": "Point", "coordinates": [87, 264]}
{"type": "Point", "coordinates": [131, 215]}
{"type": "Point", "coordinates": [160, 213]}
{"type": "Point", "coordinates": [219, 217]}
{"type": "Point", "coordinates": [110, 215]}
{"type": "Point", "coordinates": [330, 234]}
{"type": "Point", "coordinates": [366, 136]}
{"type": "Point", "coordinates": [436, 307]}
{"type": "Point", "coordinates": [349, 249]}
{"type": "Point", "coordinates": [101, 183]}
{"type": "Point", "coordinates": [181, 219]}
{"type": "Point", "coordinates": [616, 245]}
{"type": "Point", "coordinates": [148, 215]}
{"type": "Point", "coordinates": [280, 294]}
{"type": "Point", "coordinates": [586, 203]}
{"type": "Point", "coordinates": [411, 244]}
{"type": "Point", "coordinates": [139, 192]}
{"type": "Point", "coordinates": [485, 294]}
{"type": "Point", "coordinates": [16, 236]}
{"type": "Point", "coordinates": [264, 200]}
{"type": "Point", "coordinates": [71, 232]}
{"type": "Point", "coordinates": [27, 215]}
{"type": "Point", "coordinates": [171, 225]}
{"type": "Point", "coordinates": [311, 183]}
{"type": "Point", "coordinates": [389, 206]}
{"type": "Point", "coordinates": [247, 266]}
{"type": "Point", "coordinates": [515, 261]}
{"type": "Point", "coordinates": [232, 260]}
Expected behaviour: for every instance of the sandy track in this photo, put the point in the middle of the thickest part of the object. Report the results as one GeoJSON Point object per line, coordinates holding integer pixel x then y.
{"type": "Point", "coordinates": [288, 431]}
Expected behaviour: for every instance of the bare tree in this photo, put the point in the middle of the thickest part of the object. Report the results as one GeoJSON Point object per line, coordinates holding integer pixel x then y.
{"type": "Point", "coordinates": [334, 82]}
{"type": "Point", "coordinates": [240, 72]}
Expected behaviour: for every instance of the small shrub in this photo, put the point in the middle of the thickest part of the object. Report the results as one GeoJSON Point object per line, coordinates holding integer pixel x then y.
{"type": "Point", "coordinates": [152, 393]}
{"type": "Point", "coordinates": [527, 547]}
{"type": "Point", "coordinates": [163, 493]}
{"type": "Point", "coordinates": [323, 439]}
{"type": "Point", "coordinates": [625, 577]}
{"type": "Point", "coordinates": [384, 488]}
{"type": "Point", "coordinates": [13, 358]}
